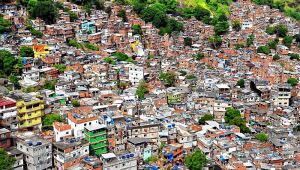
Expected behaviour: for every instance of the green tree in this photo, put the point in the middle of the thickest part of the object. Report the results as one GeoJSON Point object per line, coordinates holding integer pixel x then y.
{"type": "Point", "coordinates": [236, 25]}
{"type": "Point", "coordinates": [188, 41]}
{"type": "Point", "coordinates": [272, 45]}
{"type": "Point", "coordinates": [73, 16]}
{"type": "Point", "coordinates": [221, 27]}
{"type": "Point", "coordinates": [137, 29]}
{"type": "Point", "coordinates": [205, 118]}
{"type": "Point", "coordinates": [230, 114]}
{"type": "Point", "coordinates": [263, 49]}
{"type": "Point", "coordinates": [6, 161]}
{"type": "Point", "coordinates": [287, 41]}
{"type": "Point", "coordinates": [241, 83]}
{"type": "Point", "coordinates": [26, 51]}
{"type": "Point", "coordinates": [49, 84]}
{"type": "Point", "coordinates": [238, 46]}
{"type": "Point", "coordinates": [276, 57]}
{"type": "Point", "coordinates": [292, 81]}
{"type": "Point", "coordinates": [281, 30]}
{"type": "Point", "coordinates": [141, 90]}
{"type": "Point", "coordinates": [271, 30]}
{"type": "Point", "coordinates": [75, 103]}
{"type": "Point", "coordinates": [199, 56]}
{"type": "Point", "coordinates": [60, 67]}
{"type": "Point", "coordinates": [5, 25]}
{"type": "Point", "coordinates": [45, 10]}
{"type": "Point", "coordinates": [7, 63]}
{"type": "Point", "coordinates": [200, 13]}
{"type": "Point", "coordinates": [294, 56]}
{"type": "Point", "coordinates": [189, 77]}
{"type": "Point", "coordinates": [297, 128]}
{"type": "Point", "coordinates": [168, 78]}
{"type": "Point", "coordinates": [262, 137]}
{"type": "Point", "coordinates": [250, 40]}
{"type": "Point", "coordinates": [195, 161]}
{"type": "Point", "coordinates": [99, 4]}
{"type": "Point", "coordinates": [109, 60]}
{"type": "Point", "coordinates": [122, 14]}
{"type": "Point", "coordinates": [215, 41]}
{"type": "Point", "coordinates": [91, 46]}
{"type": "Point", "coordinates": [49, 119]}
{"type": "Point", "coordinates": [14, 80]}
{"type": "Point", "coordinates": [171, 5]}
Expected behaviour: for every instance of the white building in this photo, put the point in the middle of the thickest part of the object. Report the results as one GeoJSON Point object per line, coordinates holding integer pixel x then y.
{"type": "Point", "coordinates": [78, 122]}
{"type": "Point", "coordinates": [136, 74]}
{"type": "Point", "coordinates": [282, 96]}
{"type": "Point", "coordinates": [61, 131]}
{"type": "Point", "coordinates": [126, 161]}
{"type": "Point", "coordinates": [37, 151]}
{"type": "Point", "coordinates": [247, 24]}
{"type": "Point", "coordinates": [8, 112]}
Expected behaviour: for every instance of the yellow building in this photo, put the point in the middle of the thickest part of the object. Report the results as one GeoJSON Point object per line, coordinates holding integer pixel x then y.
{"type": "Point", "coordinates": [40, 51]}
{"type": "Point", "coordinates": [30, 111]}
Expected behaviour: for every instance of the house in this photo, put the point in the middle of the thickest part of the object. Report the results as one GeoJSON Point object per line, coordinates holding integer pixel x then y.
{"type": "Point", "coordinates": [68, 154]}
{"type": "Point", "coordinates": [61, 131]}
{"type": "Point", "coordinates": [8, 113]}
{"type": "Point", "coordinates": [136, 74]}
{"type": "Point", "coordinates": [30, 110]}
{"type": "Point", "coordinates": [97, 137]}
{"type": "Point", "coordinates": [79, 118]}
{"type": "Point", "coordinates": [37, 151]}
{"type": "Point", "coordinates": [5, 138]}
{"type": "Point", "coordinates": [126, 161]}
{"type": "Point", "coordinates": [18, 155]}
{"type": "Point", "coordinates": [40, 50]}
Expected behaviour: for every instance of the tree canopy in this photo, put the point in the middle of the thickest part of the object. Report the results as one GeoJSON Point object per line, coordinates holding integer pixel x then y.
{"type": "Point", "coordinates": [168, 78]}
{"type": "Point", "coordinates": [26, 51]}
{"type": "Point", "coordinates": [241, 83]}
{"type": "Point", "coordinates": [262, 137]}
{"type": "Point", "coordinates": [195, 161]}
{"type": "Point", "coordinates": [8, 63]}
{"type": "Point", "coordinates": [263, 49]}
{"type": "Point", "coordinates": [6, 161]}
{"type": "Point", "coordinates": [205, 118]}
{"type": "Point", "coordinates": [5, 25]}
{"type": "Point", "coordinates": [141, 90]}
{"type": "Point", "coordinates": [292, 81]}
{"type": "Point", "coordinates": [49, 119]}
{"type": "Point", "coordinates": [137, 29]}
{"type": "Point", "coordinates": [233, 117]}
{"type": "Point", "coordinates": [45, 10]}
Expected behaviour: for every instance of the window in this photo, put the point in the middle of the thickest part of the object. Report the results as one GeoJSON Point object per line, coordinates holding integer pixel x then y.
{"type": "Point", "coordinates": [84, 124]}
{"type": "Point", "coordinates": [67, 133]}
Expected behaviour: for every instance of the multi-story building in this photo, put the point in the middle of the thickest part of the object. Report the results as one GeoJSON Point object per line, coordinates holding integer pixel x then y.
{"type": "Point", "coordinates": [126, 161]}
{"type": "Point", "coordinates": [18, 155]}
{"type": "Point", "coordinates": [219, 109]}
{"type": "Point", "coordinates": [281, 97]}
{"type": "Point", "coordinates": [30, 110]}
{"type": "Point", "coordinates": [145, 130]}
{"type": "Point", "coordinates": [37, 151]}
{"type": "Point", "coordinates": [8, 113]}
{"type": "Point", "coordinates": [61, 131]}
{"type": "Point", "coordinates": [78, 119]}
{"type": "Point", "coordinates": [5, 138]}
{"type": "Point", "coordinates": [68, 154]}
{"type": "Point", "coordinates": [136, 74]}
{"type": "Point", "coordinates": [97, 137]}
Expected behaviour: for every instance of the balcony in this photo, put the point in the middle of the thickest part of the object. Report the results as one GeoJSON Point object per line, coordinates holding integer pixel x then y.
{"type": "Point", "coordinates": [26, 123]}
{"type": "Point", "coordinates": [98, 139]}
{"type": "Point", "coordinates": [26, 117]}
{"type": "Point", "coordinates": [98, 145]}
{"type": "Point", "coordinates": [91, 134]}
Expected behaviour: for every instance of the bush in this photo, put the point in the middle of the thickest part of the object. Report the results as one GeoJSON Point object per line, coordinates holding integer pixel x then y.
{"type": "Point", "coordinates": [122, 14]}
{"type": "Point", "coordinates": [75, 103]}
{"type": "Point", "coordinates": [241, 83]}
{"type": "Point", "coordinates": [188, 41]}
{"type": "Point", "coordinates": [292, 81]}
{"type": "Point", "coordinates": [263, 49]}
{"type": "Point", "coordinates": [287, 41]}
{"type": "Point", "coordinates": [199, 56]}
{"type": "Point", "coordinates": [205, 118]}
{"type": "Point", "coordinates": [294, 56]}
{"type": "Point", "coordinates": [49, 119]}
{"type": "Point", "coordinates": [137, 29]}
{"type": "Point", "coordinates": [276, 57]}
{"type": "Point", "coordinates": [262, 137]}
{"type": "Point", "coordinates": [91, 46]}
